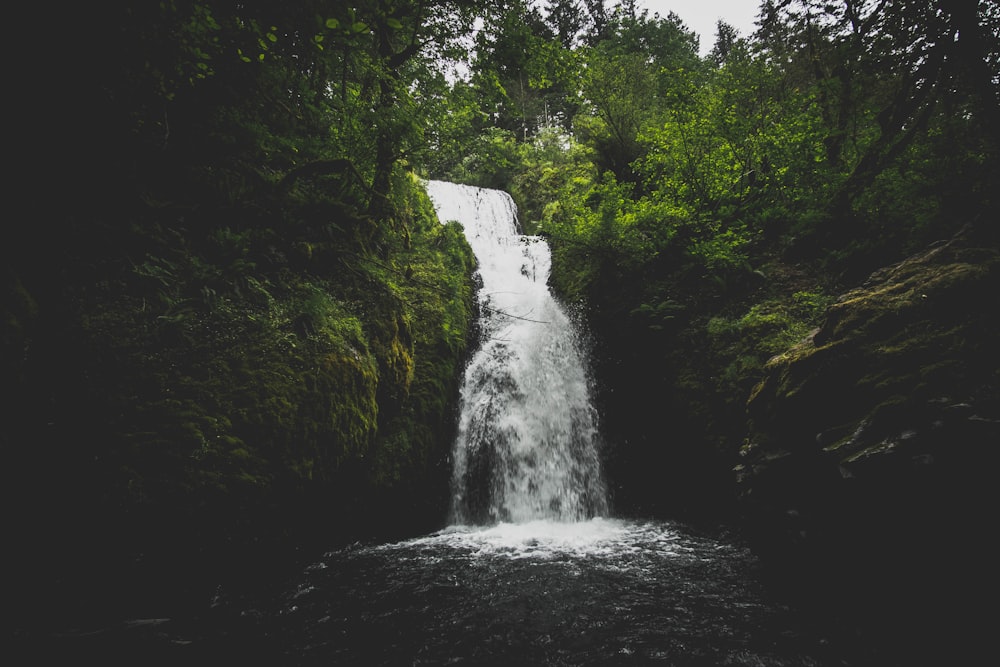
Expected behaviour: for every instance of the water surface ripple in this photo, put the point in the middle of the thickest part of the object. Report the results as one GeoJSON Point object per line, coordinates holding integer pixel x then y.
{"type": "Point", "coordinates": [600, 592]}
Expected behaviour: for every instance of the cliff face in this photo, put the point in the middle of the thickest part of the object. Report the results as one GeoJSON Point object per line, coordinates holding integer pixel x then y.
{"type": "Point", "coordinates": [873, 445]}
{"type": "Point", "coordinates": [213, 400]}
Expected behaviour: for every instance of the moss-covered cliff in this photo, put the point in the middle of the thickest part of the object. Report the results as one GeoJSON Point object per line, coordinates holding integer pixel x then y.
{"type": "Point", "coordinates": [209, 389]}
{"type": "Point", "coordinates": [676, 354]}
{"type": "Point", "coordinates": [868, 472]}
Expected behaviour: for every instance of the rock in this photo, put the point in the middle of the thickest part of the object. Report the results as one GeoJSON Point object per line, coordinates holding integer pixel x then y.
{"type": "Point", "coordinates": [882, 430]}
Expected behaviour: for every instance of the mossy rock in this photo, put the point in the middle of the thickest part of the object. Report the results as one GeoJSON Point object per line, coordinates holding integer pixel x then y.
{"type": "Point", "coordinates": [880, 428]}
{"type": "Point", "coordinates": [299, 401]}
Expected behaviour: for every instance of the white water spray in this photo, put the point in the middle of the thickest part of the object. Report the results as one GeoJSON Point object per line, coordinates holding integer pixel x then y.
{"type": "Point", "coordinates": [527, 445]}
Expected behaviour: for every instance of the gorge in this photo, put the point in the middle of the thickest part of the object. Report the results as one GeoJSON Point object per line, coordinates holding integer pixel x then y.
{"type": "Point", "coordinates": [520, 330]}
{"type": "Point", "coordinates": [534, 564]}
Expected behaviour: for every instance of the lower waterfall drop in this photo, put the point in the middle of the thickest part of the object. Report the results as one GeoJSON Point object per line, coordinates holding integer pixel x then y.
{"type": "Point", "coordinates": [528, 445]}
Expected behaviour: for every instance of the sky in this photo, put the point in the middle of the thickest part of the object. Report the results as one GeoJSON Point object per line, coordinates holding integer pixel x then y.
{"type": "Point", "coordinates": [700, 16]}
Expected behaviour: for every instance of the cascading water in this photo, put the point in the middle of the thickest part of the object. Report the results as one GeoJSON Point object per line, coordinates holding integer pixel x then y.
{"type": "Point", "coordinates": [551, 580]}
{"type": "Point", "coordinates": [527, 445]}
{"type": "Point", "coordinates": [532, 571]}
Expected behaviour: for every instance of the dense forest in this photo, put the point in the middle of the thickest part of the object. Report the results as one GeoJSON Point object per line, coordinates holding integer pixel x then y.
{"type": "Point", "coordinates": [232, 323]}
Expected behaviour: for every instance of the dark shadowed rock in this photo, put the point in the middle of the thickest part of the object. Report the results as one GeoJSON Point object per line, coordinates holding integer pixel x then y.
{"type": "Point", "coordinates": [869, 470]}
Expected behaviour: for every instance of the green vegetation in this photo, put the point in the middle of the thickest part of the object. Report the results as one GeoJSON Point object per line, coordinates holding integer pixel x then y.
{"type": "Point", "coordinates": [230, 315]}
{"type": "Point", "coordinates": [236, 325]}
{"type": "Point", "coordinates": [705, 211]}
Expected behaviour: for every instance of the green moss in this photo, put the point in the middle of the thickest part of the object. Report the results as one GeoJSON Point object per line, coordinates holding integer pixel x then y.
{"type": "Point", "coordinates": [868, 396]}
{"type": "Point", "coordinates": [766, 334]}
{"type": "Point", "coordinates": [435, 290]}
{"type": "Point", "coordinates": [224, 373]}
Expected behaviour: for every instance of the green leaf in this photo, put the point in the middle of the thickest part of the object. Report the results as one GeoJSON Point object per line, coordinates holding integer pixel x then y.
{"type": "Point", "coordinates": [394, 24]}
{"type": "Point", "coordinates": [359, 27]}
{"type": "Point", "coordinates": [332, 24]}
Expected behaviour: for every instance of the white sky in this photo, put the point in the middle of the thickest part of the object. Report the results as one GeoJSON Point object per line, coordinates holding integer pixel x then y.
{"type": "Point", "coordinates": [700, 16]}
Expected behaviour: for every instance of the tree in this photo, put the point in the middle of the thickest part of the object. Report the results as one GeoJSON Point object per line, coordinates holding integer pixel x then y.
{"type": "Point", "coordinates": [600, 21]}
{"type": "Point", "coordinates": [632, 78]}
{"type": "Point", "coordinates": [401, 30]}
{"type": "Point", "coordinates": [567, 19]}
{"type": "Point", "coordinates": [525, 74]}
{"type": "Point", "coordinates": [725, 40]}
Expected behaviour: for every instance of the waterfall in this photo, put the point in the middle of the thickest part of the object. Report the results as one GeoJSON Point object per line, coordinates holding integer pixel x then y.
{"type": "Point", "coordinates": [527, 443]}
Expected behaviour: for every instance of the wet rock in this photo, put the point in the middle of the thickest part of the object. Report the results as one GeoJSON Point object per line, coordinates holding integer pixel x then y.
{"type": "Point", "coordinates": [882, 430]}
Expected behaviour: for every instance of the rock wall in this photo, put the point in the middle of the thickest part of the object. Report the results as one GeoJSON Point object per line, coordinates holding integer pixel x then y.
{"type": "Point", "coordinates": [164, 434]}
{"type": "Point", "coordinates": [868, 474]}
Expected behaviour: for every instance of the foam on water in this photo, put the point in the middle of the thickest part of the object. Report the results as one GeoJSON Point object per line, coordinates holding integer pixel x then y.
{"type": "Point", "coordinates": [545, 539]}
